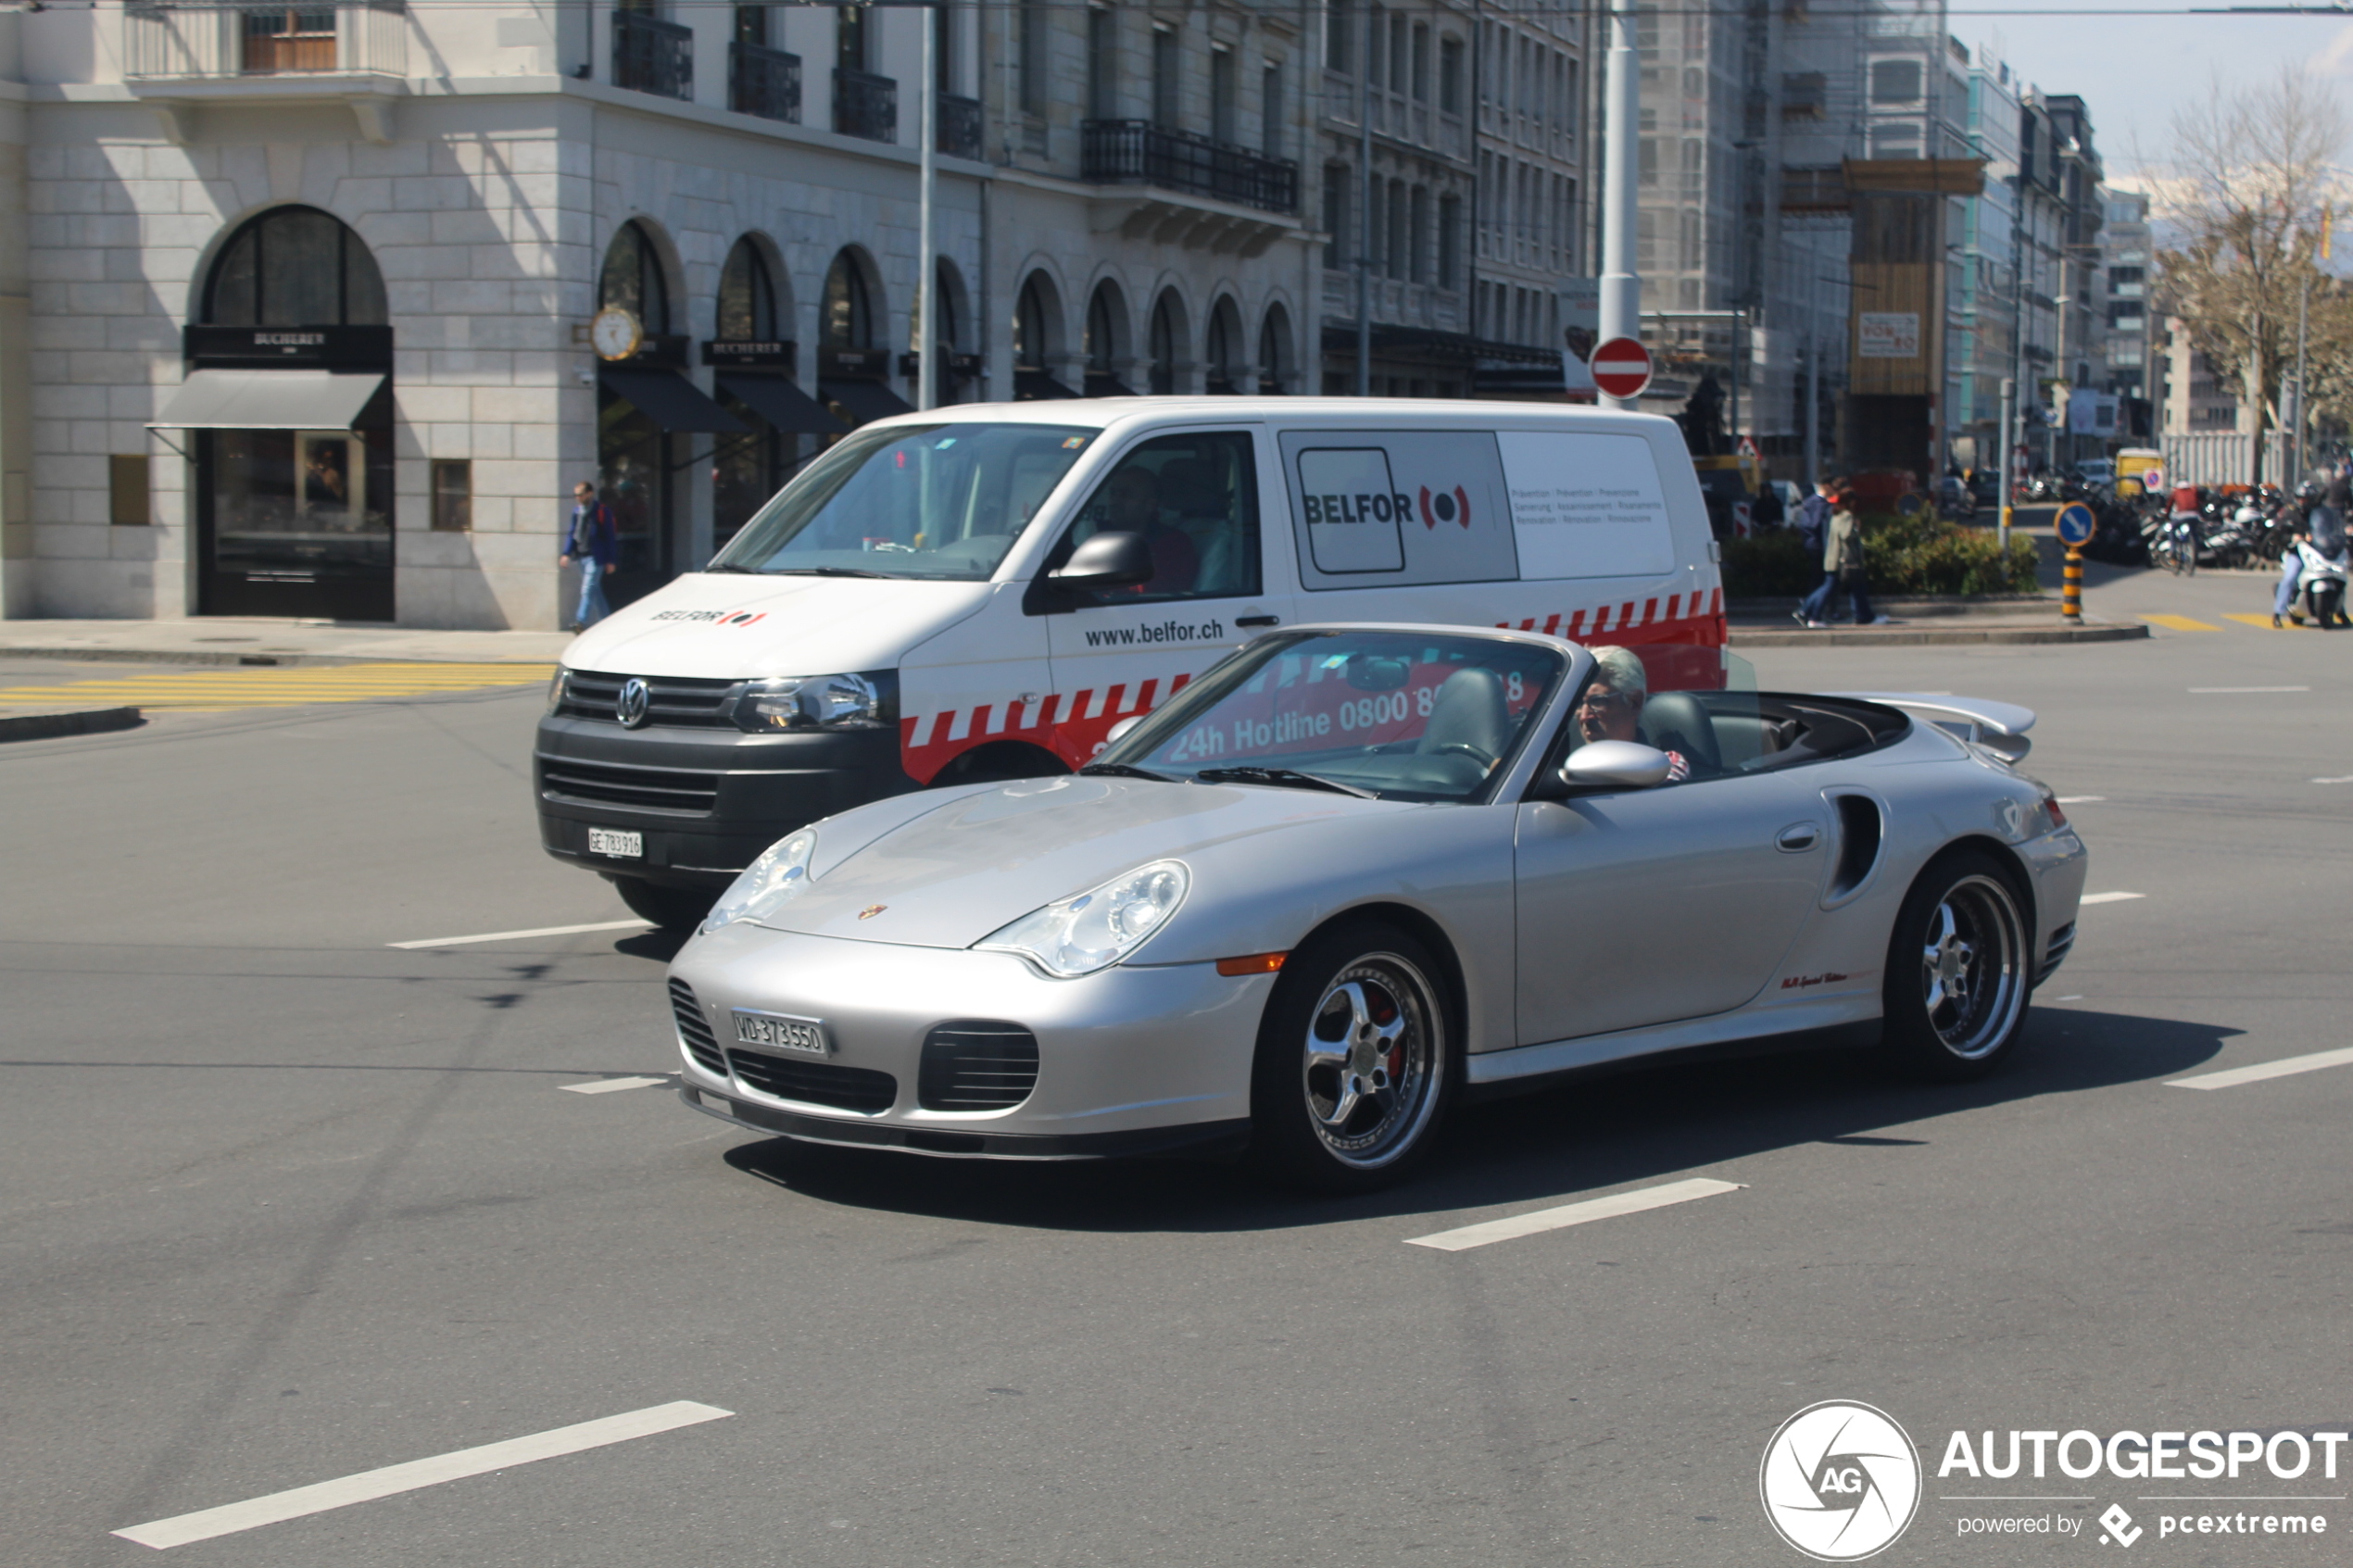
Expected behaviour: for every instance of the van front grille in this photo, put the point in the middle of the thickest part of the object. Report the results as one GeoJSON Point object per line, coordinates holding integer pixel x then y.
{"type": "Point", "coordinates": [816, 1083]}
{"type": "Point", "coordinates": [693, 1030]}
{"type": "Point", "coordinates": [679, 791]}
{"type": "Point", "coordinates": [976, 1064]}
{"type": "Point", "coordinates": [671, 699]}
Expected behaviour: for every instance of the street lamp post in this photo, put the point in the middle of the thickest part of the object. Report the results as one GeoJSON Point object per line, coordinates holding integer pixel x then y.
{"type": "Point", "coordinates": [1621, 290]}
{"type": "Point", "coordinates": [927, 269]}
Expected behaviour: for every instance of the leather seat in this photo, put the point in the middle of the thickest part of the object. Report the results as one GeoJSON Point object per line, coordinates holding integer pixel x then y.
{"type": "Point", "coordinates": [1679, 721]}
{"type": "Point", "coordinates": [1470, 710]}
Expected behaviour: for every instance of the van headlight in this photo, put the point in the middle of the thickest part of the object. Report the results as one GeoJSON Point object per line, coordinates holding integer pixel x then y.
{"type": "Point", "coordinates": [1098, 928]}
{"type": "Point", "coordinates": [767, 884]}
{"type": "Point", "coordinates": [557, 688]}
{"type": "Point", "coordinates": [808, 702]}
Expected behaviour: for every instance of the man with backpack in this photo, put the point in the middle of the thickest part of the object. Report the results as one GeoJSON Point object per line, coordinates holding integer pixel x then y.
{"type": "Point", "coordinates": [593, 541]}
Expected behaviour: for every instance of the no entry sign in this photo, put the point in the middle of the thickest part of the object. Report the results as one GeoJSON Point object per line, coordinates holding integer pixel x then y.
{"type": "Point", "coordinates": [1622, 367]}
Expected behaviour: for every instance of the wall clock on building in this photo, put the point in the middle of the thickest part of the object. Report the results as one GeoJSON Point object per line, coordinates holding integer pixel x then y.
{"type": "Point", "coordinates": [615, 334]}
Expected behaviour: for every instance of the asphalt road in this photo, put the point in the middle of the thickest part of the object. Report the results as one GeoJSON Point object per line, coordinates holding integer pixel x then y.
{"type": "Point", "coordinates": [280, 1204]}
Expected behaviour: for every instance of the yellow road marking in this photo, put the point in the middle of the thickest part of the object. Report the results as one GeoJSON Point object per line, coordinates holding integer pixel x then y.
{"type": "Point", "coordinates": [217, 689]}
{"type": "Point", "coordinates": [2179, 623]}
{"type": "Point", "coordinates": [2263, 622]}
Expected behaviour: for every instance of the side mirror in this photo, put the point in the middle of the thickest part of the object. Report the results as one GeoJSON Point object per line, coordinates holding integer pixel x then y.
{"type": "Point", "coordinates": [1617, 764]}
{"type": "Point", "coordinates": [1107, 560]}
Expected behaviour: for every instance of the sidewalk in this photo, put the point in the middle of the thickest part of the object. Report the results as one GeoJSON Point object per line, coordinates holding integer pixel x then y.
{"type": "Point", "coordinates": [220, 640]}
{"type": "Point", "coordinates": [1768, 623]}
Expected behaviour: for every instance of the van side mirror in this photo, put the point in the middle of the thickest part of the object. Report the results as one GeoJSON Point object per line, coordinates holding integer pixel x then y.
{"type": "Point", "coordinates": [1616, 764]}
{"type": "Point", "coordinates": [1107, 560]}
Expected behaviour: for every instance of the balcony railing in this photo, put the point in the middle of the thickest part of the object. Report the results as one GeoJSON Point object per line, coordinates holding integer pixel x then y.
{"type": "Point", "coordinates": [957, 126]}
{"type": "Point", "coordinates": [1136, 151]}
{"type": "Point", "coordinates": [763, 82]}
{"type": "Point", "coordinates": [652, 55]}
{"type": "Point", "coordinates": [865, 105]}
{"type": "Point", "coordinates": [336, 37]}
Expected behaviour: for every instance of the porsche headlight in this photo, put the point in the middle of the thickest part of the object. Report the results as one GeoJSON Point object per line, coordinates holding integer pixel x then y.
{"type": "Point", "coordinates": [1098, 928]}
{"type": "Point", "coordinates": [808, 702]}
{"type": "Point", "coordinates": [767, 884]}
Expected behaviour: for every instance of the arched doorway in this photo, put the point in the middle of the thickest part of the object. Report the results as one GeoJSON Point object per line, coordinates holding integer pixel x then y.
{"type": "Point", "coordinates": [1106, 346]}
{"type": "Point", "coordinates": [749, 341]}
{"type": "Point", "coordinates": [1274, 352]}
{"type": "Point", "coordinates": [1165, 342]}
{"type": "Point", "coordinates": [636, 460]}
{"type": "Point", "coordinates": [299, 520]}
{"type": "Point", "coordinates": [853, 361]}
{"type": "Point", "coordinates": [950, 325]}
{"type": "Point", "coordinates": [1224, 348]}
{"type": "Point", "coordinates": [1038, 339]}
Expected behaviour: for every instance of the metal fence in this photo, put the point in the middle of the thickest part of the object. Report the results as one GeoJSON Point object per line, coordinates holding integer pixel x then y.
{"type": "Point", "coordinates": [958, 126]}
{"type": "Point", "coordinates": [652, 55]}
{"type": "Point", "coordinates": [865, 105]}
{"type": "Point", "coordinates": [176, 41]}
{"type": "Point", "coordinates": [1136, 150]}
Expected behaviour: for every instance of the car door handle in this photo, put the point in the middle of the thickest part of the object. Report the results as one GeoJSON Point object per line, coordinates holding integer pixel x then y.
{"type": "Point", "coordinates": [1257, 621]}
{"type": "Point", "coordinates": [1798, 837]}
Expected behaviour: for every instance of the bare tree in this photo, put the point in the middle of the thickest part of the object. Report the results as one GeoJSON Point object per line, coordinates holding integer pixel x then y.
{"type": "Point", "coordinates": [2254, 171]}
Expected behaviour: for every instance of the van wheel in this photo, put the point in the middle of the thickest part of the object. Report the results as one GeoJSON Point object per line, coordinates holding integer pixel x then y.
{"type": "Point", "coordinates": [999, 762]}
{"type": "Point", "coordinates": [1957, 970]}
{"type": "Point", "coordinates": [672, 909]}
{"type": "Point", "coordinates": [1355, 1057]}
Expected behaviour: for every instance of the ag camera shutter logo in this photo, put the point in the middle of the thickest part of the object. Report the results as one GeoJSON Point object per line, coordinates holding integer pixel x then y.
{"type": "Point", "coordinates": [1841, 1481]}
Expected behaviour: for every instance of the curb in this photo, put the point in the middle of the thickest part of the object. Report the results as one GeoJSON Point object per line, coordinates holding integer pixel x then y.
{"type": "Point", "coordinates": [1920, 636]}
{"type": "Point", "coordinates": [286, 661]}
{"type": "Point", "coordinates": [86, 721]}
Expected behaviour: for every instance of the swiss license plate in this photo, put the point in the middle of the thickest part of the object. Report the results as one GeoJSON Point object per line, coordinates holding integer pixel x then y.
{"type": "Point", "coordinates": [622, 842]}
{"type": "Point", "coordinates": [805, 1036]}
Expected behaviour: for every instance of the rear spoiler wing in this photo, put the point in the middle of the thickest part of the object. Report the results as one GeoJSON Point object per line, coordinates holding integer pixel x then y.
{"type": "Point", "coordinates": [1998, 726]}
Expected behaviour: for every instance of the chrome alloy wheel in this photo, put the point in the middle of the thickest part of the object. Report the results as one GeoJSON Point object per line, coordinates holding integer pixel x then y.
{"type": "Point", "coordinates": [1972, 967]}
{"type": "Point", "coordinates": [1374, 1061]}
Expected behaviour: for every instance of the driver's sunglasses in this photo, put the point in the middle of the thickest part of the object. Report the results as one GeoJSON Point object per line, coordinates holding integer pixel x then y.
{"type": "Point", "coordinates": [1605, 700]}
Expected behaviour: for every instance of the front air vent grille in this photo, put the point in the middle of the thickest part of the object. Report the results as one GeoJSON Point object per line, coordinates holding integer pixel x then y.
{"type": "Point", "coordinates": [2062, 940]}
{"type": "Point", "coordinates": [816, 1083]}
{"type": "Point", "coordinates": [671, 699]}
{"type": "Point", "coordinates": [976, 1064]}
{"type": "Point", "coordinates": [694, 1030]}
{"type": "Point", "coordinates": [677, 791]}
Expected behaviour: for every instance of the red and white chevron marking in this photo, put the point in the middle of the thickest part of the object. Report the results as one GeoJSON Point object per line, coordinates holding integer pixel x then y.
{"type": "Point", "coordinates": [1699, 621]}
{"type": "Point", "coordinates": [1070, 725]}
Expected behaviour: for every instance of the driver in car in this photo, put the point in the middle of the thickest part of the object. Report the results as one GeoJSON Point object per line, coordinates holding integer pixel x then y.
{"type": "Point", "coordinates": [1611, 707]}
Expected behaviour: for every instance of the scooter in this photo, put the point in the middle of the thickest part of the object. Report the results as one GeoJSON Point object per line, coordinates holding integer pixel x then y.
{"type": "Point", "coordinates": [2323, 581]}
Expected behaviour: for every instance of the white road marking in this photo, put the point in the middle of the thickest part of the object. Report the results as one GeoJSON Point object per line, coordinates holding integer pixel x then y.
{"type": "Point", "coordinates": [2234, 691]}
{"type": "Point", "coordinates": [2079, 799]}
{"type": "Point", "coordinates": [2347, 779]}
{"type": "Point", "coordinates": [394, 1479]}
{"type": "Point", "coordinates": [607, 1086]}
{"type": "Point", "coordinates": [518, 936]}
{"type": "Point", "coordinates": [2077, 997]}
{"type": "Point", "coordinates": [2284, 1068]}
{"type": "Point", "coordinates": [1517, 1226]}
{"type": "Point", "coordinates": [2109, 898]}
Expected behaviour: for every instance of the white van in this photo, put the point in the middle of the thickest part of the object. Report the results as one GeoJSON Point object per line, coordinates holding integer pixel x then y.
{"type": "Point", "coordinates": [982, 592]}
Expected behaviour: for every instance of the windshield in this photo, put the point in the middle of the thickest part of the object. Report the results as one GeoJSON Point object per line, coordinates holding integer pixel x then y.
{"type": "Point", "coordinates": [1403, 715]}
{"type": "Point", "coordinates": [943, 501]}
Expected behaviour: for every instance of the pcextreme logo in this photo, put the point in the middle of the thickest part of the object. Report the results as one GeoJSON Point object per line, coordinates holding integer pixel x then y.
{"type": "Point", "coordinates": [1839, 1481]}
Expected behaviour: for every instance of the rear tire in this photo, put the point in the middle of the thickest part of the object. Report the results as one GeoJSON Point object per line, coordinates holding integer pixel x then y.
{"type": "Point", "coordinates": [672, 909]}
{"type": "Point", "coordinates": [1959, 970]}
{"type": "Point", "coordinates": [1355, 1061]}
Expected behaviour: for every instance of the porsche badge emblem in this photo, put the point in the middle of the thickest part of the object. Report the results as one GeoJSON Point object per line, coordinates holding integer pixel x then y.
{"type": "Point", "coordinates": [870, 910]}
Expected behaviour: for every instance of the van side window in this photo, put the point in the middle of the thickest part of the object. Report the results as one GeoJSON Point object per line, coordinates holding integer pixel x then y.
{"type": "Point", "coordinates": [1194, 499]}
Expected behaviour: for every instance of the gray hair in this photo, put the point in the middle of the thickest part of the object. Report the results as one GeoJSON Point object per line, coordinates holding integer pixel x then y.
{"type": "Point", "coordinates": [1620, 671]}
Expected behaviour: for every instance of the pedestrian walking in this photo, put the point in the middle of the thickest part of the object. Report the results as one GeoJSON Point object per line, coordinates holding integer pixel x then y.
{"type": "Point", "coordinates": [1813, 532]}
{"type": "Point", "coordinates": [594, 542]}
{"type": "Point", "coordinates": [1843, 568]}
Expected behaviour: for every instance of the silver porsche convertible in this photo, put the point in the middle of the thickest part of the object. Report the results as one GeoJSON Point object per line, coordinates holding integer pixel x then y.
{"type": "Point", "coordinates": [1357, 871]}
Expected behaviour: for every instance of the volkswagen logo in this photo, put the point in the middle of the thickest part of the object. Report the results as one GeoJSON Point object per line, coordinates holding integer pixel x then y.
{"type": "Point", "coordinates": [630, 704]}
{"type": "Point", "coordinates": [1841, 1481]}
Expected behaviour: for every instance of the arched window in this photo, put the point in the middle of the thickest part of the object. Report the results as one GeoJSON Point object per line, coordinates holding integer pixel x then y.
{"type": "Point", "coordinates": [296, 267]}
{"type": "Point", "coordinates": [1030, 326]}
{"type": "Point", "coordinates": [746, 297]}
{"type": "Point", "coordinates": [1163, 347]}
{"type": "Point", "coordinates": [1274, 350]}
{"type": "Point", "coordinates": [847, 318]}
{"type": "Point", "coordinates": [1106, 343]}
{"type": "Point", "coordinates": [1224, 348]}
{"type": "Point", "coordinates": [633, 281]}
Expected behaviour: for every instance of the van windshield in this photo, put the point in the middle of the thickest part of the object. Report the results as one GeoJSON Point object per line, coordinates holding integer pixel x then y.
{"type": "Point", "coordinates": [942, 501]}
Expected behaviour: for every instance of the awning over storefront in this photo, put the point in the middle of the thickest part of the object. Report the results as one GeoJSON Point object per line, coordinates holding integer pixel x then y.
{"type": "Point", "coordinates": [268, 400]}
{"type": "Point", "coordinates": [669, 400]}
{"type": "Point", "coordinates": [1107, 386]}
{"type": "Point", "coordinates": [1032, 385]}
{"type": "Point", "coordinates": [864, 400]}
{"type": "Point", "coordinates": [787, 410]}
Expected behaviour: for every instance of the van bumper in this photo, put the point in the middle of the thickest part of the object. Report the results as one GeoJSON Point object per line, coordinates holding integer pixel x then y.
{"type": "Point", "coordinates": [706, 801]}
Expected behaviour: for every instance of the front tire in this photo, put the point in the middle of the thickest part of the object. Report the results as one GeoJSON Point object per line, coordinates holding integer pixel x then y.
{"type": "Point", "coordinates": [678, 910]}
{"type": "Point", "coordinates": [1959, 970]}
{"type": "Point", "coordinates": [1355, 1061]}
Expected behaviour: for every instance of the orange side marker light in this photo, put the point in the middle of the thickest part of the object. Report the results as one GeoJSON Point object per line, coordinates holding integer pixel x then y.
{"type": "Point", "coordinates": [1255, 963]}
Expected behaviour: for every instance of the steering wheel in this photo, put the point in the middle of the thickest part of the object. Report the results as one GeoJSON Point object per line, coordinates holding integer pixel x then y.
{"type": "Point", "coordinates": [1484, 759]}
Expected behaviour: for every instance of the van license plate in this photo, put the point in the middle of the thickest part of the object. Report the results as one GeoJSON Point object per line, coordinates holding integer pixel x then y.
{"type": "Point", "coordinates": [804, 1037]}
{"type": "Point", "coordinates": [622, 842]}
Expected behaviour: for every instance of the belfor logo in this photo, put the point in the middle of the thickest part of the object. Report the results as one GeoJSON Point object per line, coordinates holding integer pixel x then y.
{"type": "Point", "coordinates": [1841, 1481]}
{"type": "Point", "coordinates": [1445, 507]}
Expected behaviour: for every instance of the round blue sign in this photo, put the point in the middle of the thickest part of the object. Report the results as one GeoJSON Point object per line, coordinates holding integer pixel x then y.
{"type": "Point", "coordinates": [2076, 525]}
